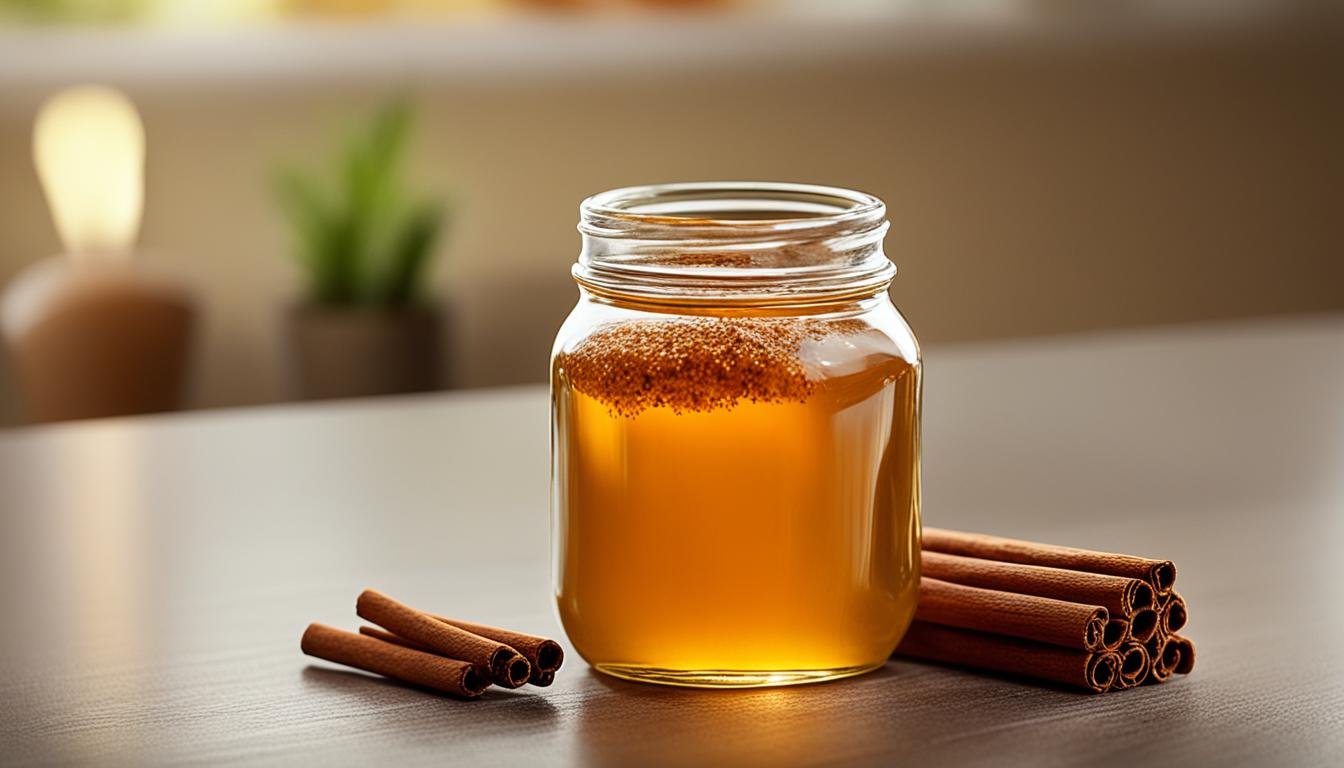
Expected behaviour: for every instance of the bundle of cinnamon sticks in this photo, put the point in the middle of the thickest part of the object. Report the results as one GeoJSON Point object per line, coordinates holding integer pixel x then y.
{"type": "Point", "coordinates": [447, 655]}
{"type": "Point", "coordinates": [1091, 620]}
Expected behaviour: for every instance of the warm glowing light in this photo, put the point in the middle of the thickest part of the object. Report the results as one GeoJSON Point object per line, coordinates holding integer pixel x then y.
{"type": "Point", "coordinates": [89, 147]}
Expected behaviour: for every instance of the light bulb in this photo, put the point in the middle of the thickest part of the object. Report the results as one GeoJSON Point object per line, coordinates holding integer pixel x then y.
{"type": "Point", "coordinates": [89, 148]}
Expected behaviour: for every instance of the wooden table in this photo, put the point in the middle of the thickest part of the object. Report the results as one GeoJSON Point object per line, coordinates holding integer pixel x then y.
{"type": "Point", "coordinates": [157, 573]}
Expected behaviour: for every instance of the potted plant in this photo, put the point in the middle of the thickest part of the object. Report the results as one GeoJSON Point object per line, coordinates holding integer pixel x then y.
{"type": "Point", "coordinates": [364, 328]}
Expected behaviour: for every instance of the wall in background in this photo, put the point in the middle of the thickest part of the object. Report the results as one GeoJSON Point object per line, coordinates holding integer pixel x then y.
{"type": "Point", "coordinates": [1036, 187]}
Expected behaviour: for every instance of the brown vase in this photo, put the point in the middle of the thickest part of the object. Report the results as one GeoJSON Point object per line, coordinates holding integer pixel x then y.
{"type": "Point", "coordinates": [357, 352]}
{"type": "Point", "coordinates": [91, 341]}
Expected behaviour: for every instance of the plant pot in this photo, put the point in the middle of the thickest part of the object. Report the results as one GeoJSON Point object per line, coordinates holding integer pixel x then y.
{"type": "Point", "coordinates": [361, 352]}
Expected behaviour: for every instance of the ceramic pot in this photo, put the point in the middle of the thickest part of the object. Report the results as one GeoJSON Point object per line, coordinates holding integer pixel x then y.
{"type": "Point", "coordinates": [358, 352]}
{"type": "Point", "coordinates": [92, 341]}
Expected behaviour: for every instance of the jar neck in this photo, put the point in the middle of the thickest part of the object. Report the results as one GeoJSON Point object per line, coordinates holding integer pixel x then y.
{"type": "Point", "coordinates": [731, 243]}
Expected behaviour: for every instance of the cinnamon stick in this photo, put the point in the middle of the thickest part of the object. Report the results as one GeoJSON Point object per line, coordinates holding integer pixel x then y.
{"type": "Point", "coordinates": [1115, 635]}
{"type": "Point", "coordinates": [1174, 615]}
{"type": "Point", "coordinates": [1119, 595]}
{"type": "Point", "coordinates": [1133, 665]}
{"type": "Point", "coordinates": [543, 652]}
{"type": "Point", "coordinates": [545, 655]}
{"type": "Point", "coordinates": [1185, 661]}
{"type": "Point", "coordinates": [1160, 574]}
{"type": "Point", "coordinates": [1043, 619]}
{"type": "Point", "coordinates": [1142, 625]}
{"type": "Point", "coordinates": [1092, 672]}
{"type": "Point", "coordinates": [388, 637]}
{"type": "Point", "coordinates": [503, 664]}
{"type": "Point", "coordinates": [1163, 657]}
{"type": "Point", "coordinates": [459, 678]}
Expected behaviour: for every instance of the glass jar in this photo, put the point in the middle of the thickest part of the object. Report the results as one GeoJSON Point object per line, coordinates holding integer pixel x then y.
{"type": "Point", "coordinates": [735, 438]}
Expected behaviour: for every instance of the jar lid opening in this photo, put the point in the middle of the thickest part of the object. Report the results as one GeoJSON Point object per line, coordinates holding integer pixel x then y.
{"type": "Point", "coordinates": [729, 209]}
{"type": "Point", "coordinates": [733, 241]}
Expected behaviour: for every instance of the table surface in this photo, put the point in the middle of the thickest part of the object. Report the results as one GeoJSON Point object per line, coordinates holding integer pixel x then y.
{"type": "Point", "coordinates": [156, 573]}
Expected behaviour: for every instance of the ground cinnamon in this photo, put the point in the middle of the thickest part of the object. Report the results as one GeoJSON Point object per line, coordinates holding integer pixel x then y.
{"type": "Point", "coordinates": [459, 678]}
{"type": "Point", "coordinates": [691, 364]}
{"type": "Point", "coordinates": [1043, 619]}
{"type": "Point", "coordinates": [503, 664]}
{"type": "Point", "coordinates": [1160, 574]}
{"type": "Point", "coordinates": [1094, 672]}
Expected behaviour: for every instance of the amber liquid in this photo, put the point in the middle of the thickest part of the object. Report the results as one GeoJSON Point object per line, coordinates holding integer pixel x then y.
{"type": "Point", "coordinates": [763, 543]}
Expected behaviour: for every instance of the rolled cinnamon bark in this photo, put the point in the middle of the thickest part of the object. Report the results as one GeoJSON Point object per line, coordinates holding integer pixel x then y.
{"type": "Point", "coordinates": [459, 678]}
{"type": "Point", "coordinates": [388, 637]}
{"type": "Point", "coordinates": [1163, 656]}
{"type": "Point", "coordinates": [544, 654]}
{"type": "Point", "coordinates": [1043, 619]}
{"type": "Point", "coordinates": [1133, 665]}
{"type": "Point", "coordinates": [1115, 635]}
{"type": "Point", "coordinates": [1160, 574]}
{"type": "Point", "coordinates": [1173, 614]}
{"type": "Point", "coordinates": [1092, 672]}
{"type": "Point", "coordinates": [1185, 661]}
{"type": "Point", "coordinates": [1119, 595]}
{"type": "Point", "coordinates": [538, 677]}
{"type": "Point", "coordinates": [503, 664]}
{"type": "Point", "coordinates": [1142, 625]}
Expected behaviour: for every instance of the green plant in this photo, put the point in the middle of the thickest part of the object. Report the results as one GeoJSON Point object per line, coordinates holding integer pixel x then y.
{"type": "Point", "coordinates": [358, 236]}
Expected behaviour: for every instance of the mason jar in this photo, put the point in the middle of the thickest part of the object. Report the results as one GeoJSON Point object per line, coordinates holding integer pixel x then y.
{"type": "Point", "coordinates": [735, 437]}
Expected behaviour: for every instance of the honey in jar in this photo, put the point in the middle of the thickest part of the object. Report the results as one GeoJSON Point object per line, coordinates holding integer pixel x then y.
{"type": "Point", "coordinates": [735, 438]}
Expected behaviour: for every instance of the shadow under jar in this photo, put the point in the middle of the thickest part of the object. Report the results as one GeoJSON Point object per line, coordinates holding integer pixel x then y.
{"type": "Point", "coordinates": [735, 438]}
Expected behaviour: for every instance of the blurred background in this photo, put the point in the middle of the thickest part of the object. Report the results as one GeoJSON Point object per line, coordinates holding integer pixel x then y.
{"type": "Point", "coordinates": [1049, 166]}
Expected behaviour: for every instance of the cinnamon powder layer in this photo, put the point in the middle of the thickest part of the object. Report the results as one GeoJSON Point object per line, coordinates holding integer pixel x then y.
{"type": "Point", "coordinates": [698, 364]}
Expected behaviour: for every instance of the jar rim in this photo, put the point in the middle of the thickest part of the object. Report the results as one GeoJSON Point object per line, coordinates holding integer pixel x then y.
{"type": "Point", "coordinates": [733, 242]}
{"type": "Point", "coordinates": [719, 209]}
